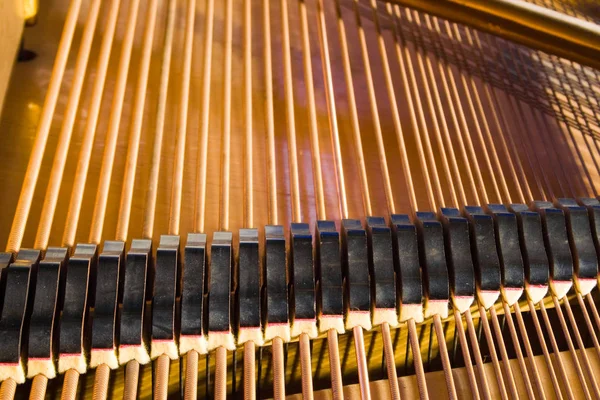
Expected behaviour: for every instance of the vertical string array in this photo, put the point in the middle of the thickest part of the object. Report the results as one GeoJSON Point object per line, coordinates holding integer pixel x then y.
{"type": "Point", "coordinates": [488, 142]}
{"type": "Point", "coordinates": [200, 209]}
{"type": "Point", "coordinates": [41, 242]}
{"type": "Point", "coordinates": [98, 219]}
{"type": "Point", "coordinates": [390, 363]}
{"type": "Point", "coordinates": [332, 334]}
{"type": "Point", "coordinates": [66, 132]}
{"type": "Point", "coordinates": [135, 131]}
{"type": "Point", "coordinates": [471, 141]}
{"type": "Point", "coordinates": [409, 66]}
{"type": "Point", "coordinates": [103, 374]}
{"type": "Point", "coordinates": [85, 153]}
{"type": "Point", "coordinates": [248, 154]}
{"type": "Point", "coordinates": [110, 145]}
{"type": "Point", "coordinates": [201, 176]}
{"type": "Point", "coordinates": [159, 127]}
{"type": "Point", "coordinates": [17, 229]}
{"type": "Point", "coordinates": [358, 148]}
{"type": "Point", "coordinates": [516, 306]}
{"type": "Point", "coordinates": [220, 391]}
{"type": "Point", "coordinates": [270, 118]}
{"type": "Point", "coordinates": [288, 87]}
{"type": "Point", "coordinates": [249, 346]}
{"type": "Point", "coordinates": [163, 361]}
{"type": "Point", "coordinates": [133, 367]}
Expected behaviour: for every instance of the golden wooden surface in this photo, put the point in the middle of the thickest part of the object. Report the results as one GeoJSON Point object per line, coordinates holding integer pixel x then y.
{"type": "Point", "coordinates": [12, 19]}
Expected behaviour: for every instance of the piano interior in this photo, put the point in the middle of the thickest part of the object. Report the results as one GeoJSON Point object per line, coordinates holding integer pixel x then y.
{"type": "Point", "coordinates": [318, 199]}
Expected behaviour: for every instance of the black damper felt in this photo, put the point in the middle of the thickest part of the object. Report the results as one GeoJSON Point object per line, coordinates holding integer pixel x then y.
{"type": "Point", "coordinates": [5, 260]}
{"type": "Point", "coordinates": [108, 295]}
{"type": "Point", "coordinates": [17, 305]}
{"type": "Point", "coordinates": [433, 256]}
{"type": "Point", "coordinates": [79, 297]}
{"type": "Point", "coordinates": [192, 289]}
{"type": "Point", "coordinates": [458, 253]}
{"type": "Point", "coordinates": [329, 268]}
{"type": "Point", "coordinates": [531, 239]}
{"type": "Point", "coordinates": [276, 274]}
{"type": "Point", "coordinates": [166, 286]}
{"type": "Point", "coordinates": [593, 207]}
{"type": "Point", "coordinates": [219, 284]}
{"type": "Point", "coordinates": [303, 276]}
{"type": "Point", "coordinates": [509, 250]}
{"type": "Point", "coordinates": [556, 240]}
{"type": "Point", "coordinates": [47, 303]}
{"type": "Point", "coordinates": [249, 279]}
{"type": "Point", "coordinates": [580, 238]}
{"type": "Point", "coordinates": [406, 255]}
{"type": "Point", "coordinates": [356, 261]}
{"type": "Point", "coordinates": [137, 287]}
{"type": "Point", "coordinates": [381, 263]}
{"type": "Point", "coordinates": [483, 246]}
